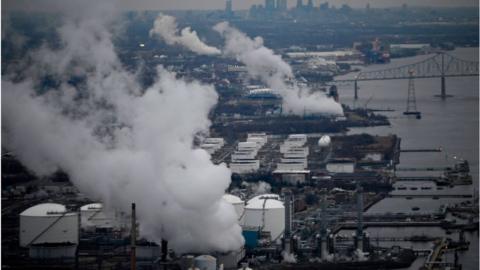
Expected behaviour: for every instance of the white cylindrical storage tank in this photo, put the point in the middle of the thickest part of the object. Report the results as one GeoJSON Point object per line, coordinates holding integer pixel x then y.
{"type": "Point", "coordinates": [266, 214]}
{"type": "Point", "coordinates": [206, 262]}
{"type": "Point", "coordinates": [237, 203]}
{"type": "Point", "coordinates": [187, 262]}
{"type": "Point", "coordinates": [48, 223]}
{"type": "Point", "coordinates": [52, 251]}
{"type": "Point", "coordinates": [93, 216]}
{"type": "Point", "coordinates": [264, 196]}
{"type": "Point", "coordinates": [324, 141]}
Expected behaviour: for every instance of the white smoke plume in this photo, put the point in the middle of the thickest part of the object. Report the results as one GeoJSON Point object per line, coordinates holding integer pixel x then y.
{"type": "Point", "coordinates": [166, 27]}
{"type": "Point", "coordinates": [120, 143]}
{"type": "Point", "coordinates": [262, 63]}
{"type": "Point", "coordinates": [260, 188]}
{"type": "Point", "coordinates": [288, 257]}
{"type": "Point", "coordinates": [360, 255]}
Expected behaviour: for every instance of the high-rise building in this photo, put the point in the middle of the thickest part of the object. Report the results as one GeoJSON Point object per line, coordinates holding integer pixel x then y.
{"type": "Point", "coordinates": [324, 6]}
{"type": "Point", "coordinates": [228, 7]}
{"type": "Point", "coordinates": [282, 5]}
{"type": "Point", "coordinates": [270, 5]}
{"type": "Point", "coordinates": [310, 4]}
{"type": "Point", "coordinates": [299, 3]}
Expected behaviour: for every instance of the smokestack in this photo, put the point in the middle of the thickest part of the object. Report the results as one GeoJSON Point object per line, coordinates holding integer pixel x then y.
{"type": "Point", "coordinates": [133, 238]}
{"type": "Point", "coordinates": [288, 222]}
{"type": "Point", "coordinates": [164, 250]}
{"type": "Point", "coordinates": [288, 214]}
{"type": "Point", "coordinates": [323, 230]}
{"type": "Point", "coordinates": [359, 217]}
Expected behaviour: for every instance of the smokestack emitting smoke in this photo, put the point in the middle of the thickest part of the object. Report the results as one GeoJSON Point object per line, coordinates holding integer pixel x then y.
{"type": "Point", "coordinates": [120, 143]}
{"type": "Point", "coordinates": [165, 27]}
{"type": "Point", "coordinates": [262, 63]}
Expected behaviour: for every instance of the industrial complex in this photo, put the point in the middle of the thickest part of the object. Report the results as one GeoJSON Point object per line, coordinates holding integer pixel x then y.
{"type": "Point", "coordinates": [191, 145]}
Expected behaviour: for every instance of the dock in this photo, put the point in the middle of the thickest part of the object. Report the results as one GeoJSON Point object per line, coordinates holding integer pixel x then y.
{"type": "Point", "coordinates": [430, 195]}
{"type": "Point", "coordinates": [420, 150]}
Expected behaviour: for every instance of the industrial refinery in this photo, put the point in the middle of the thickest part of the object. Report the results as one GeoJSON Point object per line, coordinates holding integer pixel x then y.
{"type": "Point", "coordinates": [274, 135]}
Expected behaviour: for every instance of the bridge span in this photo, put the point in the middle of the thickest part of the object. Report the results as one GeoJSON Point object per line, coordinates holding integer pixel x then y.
{"type": "Point", "coordinates": [441, 65]}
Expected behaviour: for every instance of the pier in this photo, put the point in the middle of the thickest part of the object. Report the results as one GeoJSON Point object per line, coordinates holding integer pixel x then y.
{"type": "Point", "coordinates": [407, 169]}
{"type": "Point", "coordinates": [421, 150]}
{"type": "Point", "coordinates": [431, 195]}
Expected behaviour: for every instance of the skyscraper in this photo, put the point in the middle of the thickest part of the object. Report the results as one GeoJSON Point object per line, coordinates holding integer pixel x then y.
{"type": "Point", "coordinates": [310, 4]}
{"type": "Point", "coordinates": [228, 7]}
{"type": "Point", "coordinates": [299, 3]}
{"type": "Point", "coordinates": [270, 5]}
{"type": "Point", "coordinates": [282, 5]}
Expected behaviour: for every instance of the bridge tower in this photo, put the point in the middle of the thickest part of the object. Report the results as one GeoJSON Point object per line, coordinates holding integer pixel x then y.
{"type": "Point", "coordinates": [411, 100]}
{"type": "Point", "coordinates": [443, 94]}
{"type": "Point", "coordinates": [355, 88]}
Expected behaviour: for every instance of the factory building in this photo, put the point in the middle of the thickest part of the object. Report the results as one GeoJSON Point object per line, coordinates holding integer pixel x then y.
{"type": "Point", "coordinates": [243, 158]}
{"type": "Point", "coordinates": [294, 159]}
{"type": "Point", "coordinates": [297, 160]}
{"type": "Point", "coordinates": [292, 177]}
{"type": "Point", "coordinates": [212, 145]}
{"type": "Point", "coordinates": [341, 165]}
{"type": "Point", "coordinates": [245, 166]}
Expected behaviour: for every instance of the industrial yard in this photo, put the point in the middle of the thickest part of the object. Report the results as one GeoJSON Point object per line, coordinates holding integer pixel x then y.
{"type": "Point", "coordinates": [273, 137]}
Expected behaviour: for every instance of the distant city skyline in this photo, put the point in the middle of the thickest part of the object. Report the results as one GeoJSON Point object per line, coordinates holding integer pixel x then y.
{"type": "Point", "coordinates": [220, 4]}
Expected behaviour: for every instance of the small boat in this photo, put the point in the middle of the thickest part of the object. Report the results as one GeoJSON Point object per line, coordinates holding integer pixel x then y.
{"type": "Point", "coordinates": [416, 208]}
{"type": "Point", "coordinates": [435, 197]}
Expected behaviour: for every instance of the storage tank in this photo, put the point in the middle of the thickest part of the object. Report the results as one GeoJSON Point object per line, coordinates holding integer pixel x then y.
{"type": "Point", "coordinates": [237, 203]}
{"type": "Point", "coordinates": [264, 196]}
{"type": "Point", "coordinates": [265, 213]}
{"type": "Point", "coordinates": [48, 223]}
{"type": "Point", "coordinates": [206, 262]}
{"type": "Point", "coordinates": [52, 251]}
{"type": "Point", "coordinates": [324, 141]}
{"type": "Point", "coordinates": [93, 216]}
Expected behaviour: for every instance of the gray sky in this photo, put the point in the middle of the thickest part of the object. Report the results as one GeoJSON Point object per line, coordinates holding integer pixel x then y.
{"type": "Point", "coordinates": [220, 4]}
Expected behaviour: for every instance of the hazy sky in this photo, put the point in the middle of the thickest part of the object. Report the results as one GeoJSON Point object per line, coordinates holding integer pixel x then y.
{"type": "Point", "coordinates": [220, 4]}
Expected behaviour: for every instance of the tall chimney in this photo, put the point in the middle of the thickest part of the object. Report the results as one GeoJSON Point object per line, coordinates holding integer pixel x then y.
{"type": "Point", "coordinates": [164, 250]}
{"type": "Point", "coordinates": [323, 229]}
{"type": "Point", "coordinates": [288, 223]}
{"type": "Point", "coordinates": [359, 217]}
{"type": "Point", "coordinates": [133, 238]}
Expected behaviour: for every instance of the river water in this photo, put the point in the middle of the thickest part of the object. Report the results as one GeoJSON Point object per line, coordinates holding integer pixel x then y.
{"type": "Point", "coordinates": [451, 124]}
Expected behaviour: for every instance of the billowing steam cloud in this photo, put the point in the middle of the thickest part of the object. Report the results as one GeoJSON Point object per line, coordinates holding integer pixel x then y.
{"type": "Point", "coordinates": [166, 27]}
{"type": "Point", "coordinates": [120, 143]}
{"type": "Point", "coordinates": [262, 63]}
